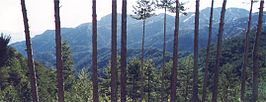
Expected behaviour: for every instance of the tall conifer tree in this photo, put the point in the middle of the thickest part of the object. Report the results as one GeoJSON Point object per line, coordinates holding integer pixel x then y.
{"type": "Point", "coordinates": [175, 56]}
{"type": "Point", "coordinates": [245, 55]}
{"type": "Point", "coordinates": [195, 97]}
{"type": "Point", "coordinates": [256, 55]}
{"type": "Point", "coordinates": [31, 66]}
{"type": "Point", "coordinates": [123, 50]}
{"type": "Point", "coordinates": [114, 55]}
{"type": "Point", "coordinates": [204, 89]}
{"type": "Point", "coordinates": [59, 65]}
{"type": "Point", "coordinates": [142, 11]}
{"type": "Point", "coordinates": [218, 53]}
{"type": "Point", "coordinates": [94, 53]}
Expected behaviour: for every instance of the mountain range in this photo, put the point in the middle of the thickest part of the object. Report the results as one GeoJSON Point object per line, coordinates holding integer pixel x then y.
{"type": "Point", "coordinates": [79, 38]}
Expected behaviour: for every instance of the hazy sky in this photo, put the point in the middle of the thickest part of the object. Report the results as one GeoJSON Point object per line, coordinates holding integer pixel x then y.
{"type": "Point", "coordinates": [73, 13]}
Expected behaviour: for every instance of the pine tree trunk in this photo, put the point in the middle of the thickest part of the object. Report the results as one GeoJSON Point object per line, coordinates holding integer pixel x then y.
{"type": "Point", "coordinates": [123, 50]}
{"type": "Point", "coordinates": [255, 55]}
{"type": "Point", "coordinates": [94, 53]}
{"type": "Point", "coordinates": [195, 97]}
{"type": "Point", "coordinates": [32, 69]}
{"type": "Point", "coordinates": [59, 66]}
{"type": "Point", "coordinates": [142, 59]}
{"type": "Point", "coordinates": [114, 51]}
{"type": "Point", "coordinates": [218, 53]}
{"type": "Point", "coordinates": [245, 55]}
{"type": "Point", "coordinates": [164, 37]}
{"type": "Point", "coordinates": [175, 56]}
{"type": "Point", "coordinates": [204, 89]}
{"type": "Point", "coordinates": [162, 93]}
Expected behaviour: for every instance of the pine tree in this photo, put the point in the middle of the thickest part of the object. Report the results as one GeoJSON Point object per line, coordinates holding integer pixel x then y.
{"type": "Point", "coordinates": [150, 81]}
{"type": "Point", "coordinates": [255, 55]}
{"type": "Point", "coordinates": [166, 5]}
{"type": "Point", "coordinates": [68, 66]}
{"type": "Point", "coordinates": [195, 97]}
{"type": "Point", "coordinates": [94, 53]}
{"type": "Point", "coordinates": [32, 70]}
{"type": "Point", "coordinates": [142, 11]}
{"type": "Point", "coordinates": [218, 53]}
{"type": "Point", "coordinates": [245, 54]}
{"type": "Point", "coordinates": [59, 65]}
{"type": "Point", "coordinates": [82, 89]}
{"type": "Point", "coordinates": [185, 79]}
{"type": "Point", "coordinates": [123, 50]}
{"type": "Point", "coordinates": [4, 49]}
{"type": "Point", "coordinates": [134, 79]}
{"type": "Point", "coordinates": [175, 56]}
{"type": "Point", "coordinates": [114, 51]}
{"type": "Point", "coordinates": [204, 88]}
{"type": "Point", "coordinates": [228, 84]}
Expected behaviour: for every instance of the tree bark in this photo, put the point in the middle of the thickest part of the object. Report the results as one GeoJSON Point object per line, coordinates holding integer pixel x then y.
{"type": "Point", "coordinates": [114, 52]}
{"type": "Point", "coordinates": [245, 55]}
{"type": "Point", "coordinates": [32, 68]}
{"type": "Point", "coordinates": [162, 93]}
{"type": "Point", "coordinates": [142, 59]}
{"type": "Point", "coordinates": [218, 53]}
{"type": "Point", "coordinates": [59, 66]}
{"type": "Point", "coordinates": [204, 89]}
{"type": "Point", "coordinates": [123, 50]}
{"type": "Point", "coordinates": [195, 97]}
{"type": "Point", "coordinates": [175, 56]}
{"type": "Point", "coordinates": [94, 53]}
{"type": "Point", "coordinates": [256, 56]}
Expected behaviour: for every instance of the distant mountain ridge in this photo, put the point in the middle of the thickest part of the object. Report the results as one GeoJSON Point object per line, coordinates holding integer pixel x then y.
{"type": "Point", "coordinates": [79, 37]}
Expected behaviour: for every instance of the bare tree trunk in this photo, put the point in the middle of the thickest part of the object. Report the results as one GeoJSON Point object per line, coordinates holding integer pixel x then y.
{"type": "Point", "coordinates": [204, 89]}
{"type": "Point", "coordinates": [164, 38]}
{"type": "Point", "coordinates": [94, 53]}
{"type": "Point", "coordinates": [32, 69]}
{"type": "Point", "coordinates": [195, 97]}
{"type": "Point", "coordinates": [218, 53]}
{"type": "Point", "coordinates": [59, 66]}
{"type": "Point", "coordinates": [123, 50]}
{"type": "Point", "coordinates": [175, 56]}
{"type": "Point", "coordinates": [255, 55]}
{"type": "Point", "coordinates": [245, 55]}
{"type": "Point", "coordinates": [114, 51]}
{"type": "Point", "coordinates": [162, 93]}
{"type": "Point", "coordinates": [142, 60]}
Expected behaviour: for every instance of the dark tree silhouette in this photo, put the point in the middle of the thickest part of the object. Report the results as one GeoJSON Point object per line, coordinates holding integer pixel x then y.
{"type": "Point", "coordinates": [32, 69]}
{"type": "Point", "coordinates": [4, 49]}
{"type": "Point", "coordinates": [123, 50]}
{"type": "Point", "coordinates": [204, 88]}
{"type": "Point", "coordinates": [195, 97]}
{"type": "Point", "coordinates": [94, 53]}
{"type": "Point", "coordinates": [218, 53]}
{"type": "Point", "coordinates": [245, 55]}
{"type": "Point", "coordinates": [114, 51]}
{"type": "Point", "coordinates": [59, 66]}
{"type": "Point", "coordinates": [255, 55]}
{"type": "Point", "coordinates": [175, 56]}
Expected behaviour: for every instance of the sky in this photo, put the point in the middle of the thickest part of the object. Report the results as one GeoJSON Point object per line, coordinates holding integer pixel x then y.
{"type": "Point", "coordinates": [73, 13]}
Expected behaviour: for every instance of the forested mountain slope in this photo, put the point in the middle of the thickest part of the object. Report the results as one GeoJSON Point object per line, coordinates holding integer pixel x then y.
{"type": "Point", "coordinates": [79, 38]}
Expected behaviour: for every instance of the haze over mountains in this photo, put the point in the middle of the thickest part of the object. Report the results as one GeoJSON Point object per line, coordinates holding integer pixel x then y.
{"type": "Point", "coordinates": [79, 37]}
